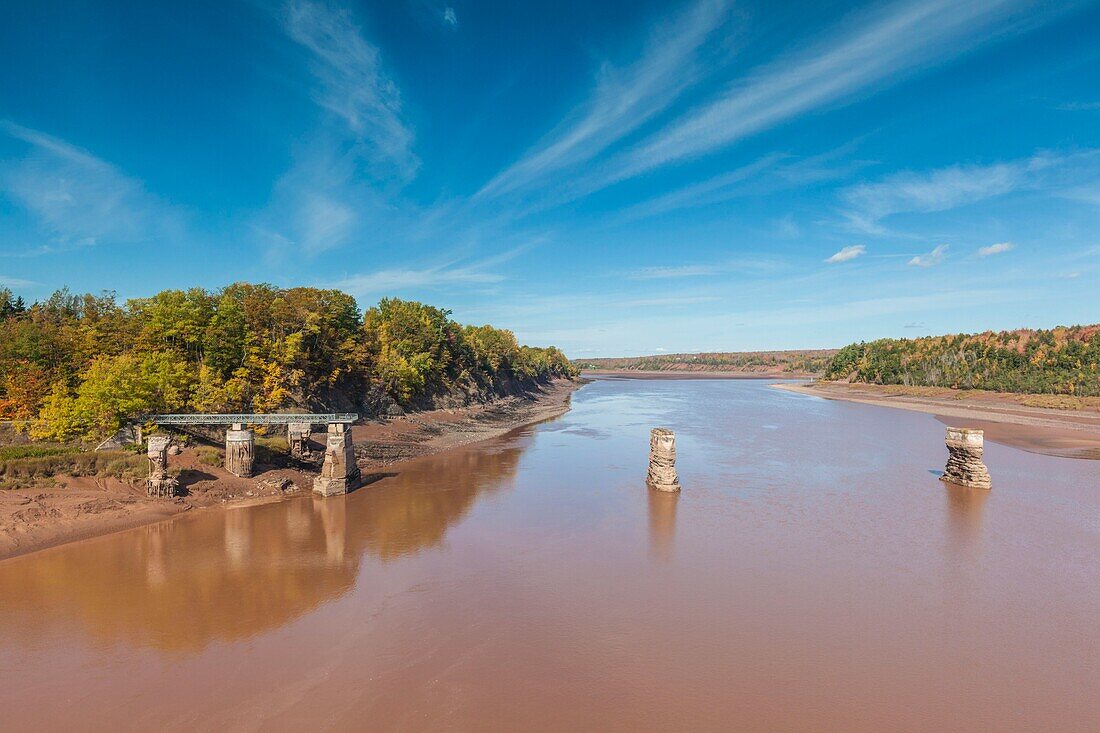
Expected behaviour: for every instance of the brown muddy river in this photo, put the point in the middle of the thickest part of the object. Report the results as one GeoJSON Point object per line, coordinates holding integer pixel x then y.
{"type": "Point", "coordinates": [814, 575]}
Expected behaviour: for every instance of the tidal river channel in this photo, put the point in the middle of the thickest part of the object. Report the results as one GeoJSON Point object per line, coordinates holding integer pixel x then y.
{"type": "Point", "coordinates": [813, 575]}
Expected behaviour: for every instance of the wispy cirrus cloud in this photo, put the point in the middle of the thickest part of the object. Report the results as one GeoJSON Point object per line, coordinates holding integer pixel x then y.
{"type": "Point", "coordinates": [766, 175]}
{"type": "Point", "coordinates": [78, 199]}
{"type": "Point", "coordinates": [996, 249]}
{"type": "Point", "coordinates": [16, 282]}
{"type": "Point", "coordinates": [624, 98]}
{"type": "Point", "coordinates": [351, 83]}
{"type": "Point", "coordinates": [860, 57]}
{"type": "Point", "coordinates": [847, 254]}
{"type": "Point", "coordinates": [867, 204]}
{"type": "Point", "coordinates": [937, 190]}
{"type": "Point", "coordinates": [666, 273]}
{"type": "Point", "coordinates": [454, 271]}
{"type": "Point", "coordinates": [340, 186]}
{"type": "Point", "coordinates": [931, 259]}
{"type": "Point", "coordinates": [741, 265]}
{"type": "Point", "coordinates": [390, 281]}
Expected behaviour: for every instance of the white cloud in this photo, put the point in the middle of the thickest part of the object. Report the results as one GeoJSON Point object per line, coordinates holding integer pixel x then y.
{"type": "Point", "coordinates": [662, 273]}
{"type": "Point", "coordinates": [390, 281]}
{"type": "Point", "coordinates": [80, 200]}
{"type": "Point", "coordinates": [450, 17]}
{"type": "Point", "coordinates": [340, 186]}
{"type": "Point", "coordinates": [931, 259]}
{"type": "Point", "coordinates": [938, 190]}
{"type": "Point", "coordinates": [881, 49]}
{"type": "Point", "coordinates": [848, 253]}
{"type": "Point", "coordinates": [15, 282]}
{"type": "Point", "coordinates": [351, 83]}
{"type": "Point", "coordinates": [1068, 175]}
{"type": "Point", "coordinates": [623, 99]}
{"type": "Point", "coordinates": [995, 249]}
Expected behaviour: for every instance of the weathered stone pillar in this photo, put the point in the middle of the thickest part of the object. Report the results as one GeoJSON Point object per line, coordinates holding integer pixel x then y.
{"type": "Point", "coordinates": [339, 471]}
{"type": "Point", "coordinates": [964, 464]}
{"type": "Point", "coordinates": [160, 484]}
{"type": "Point", "coordinates": [240, 451]}
{"type": "Point", "coordinates": [297, 437]}
{"type": "Point", "coordinates": [662, 460]}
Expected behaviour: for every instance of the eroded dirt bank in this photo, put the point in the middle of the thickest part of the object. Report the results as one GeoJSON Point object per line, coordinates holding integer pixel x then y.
{"type": "Point", "coordinates": [1045, 430]}
{"type": "Point", "coordinates": [66, 508]}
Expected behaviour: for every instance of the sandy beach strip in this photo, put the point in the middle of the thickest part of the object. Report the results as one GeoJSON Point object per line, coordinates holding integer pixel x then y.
{"type": "Point", "coordinates": [1049, 431]}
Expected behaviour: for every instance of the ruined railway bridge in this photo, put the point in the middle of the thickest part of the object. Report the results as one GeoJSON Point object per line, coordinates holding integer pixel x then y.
{"type": "Point", "coordinates": [338, 472]}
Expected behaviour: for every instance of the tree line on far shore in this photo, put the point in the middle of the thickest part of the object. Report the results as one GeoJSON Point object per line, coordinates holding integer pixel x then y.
{"type": "Point", "coordinates": [78, 365]}
{"type": "Point", "coordinates": [1063, 360]}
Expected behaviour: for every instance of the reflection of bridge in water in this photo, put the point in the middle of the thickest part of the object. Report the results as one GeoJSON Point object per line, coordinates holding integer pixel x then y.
{"type": "Point", "coordinates": [223, 576]}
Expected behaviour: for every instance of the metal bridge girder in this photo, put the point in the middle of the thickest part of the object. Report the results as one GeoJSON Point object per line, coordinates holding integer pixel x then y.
{"type": "Point", "coordinates": [251, 419]}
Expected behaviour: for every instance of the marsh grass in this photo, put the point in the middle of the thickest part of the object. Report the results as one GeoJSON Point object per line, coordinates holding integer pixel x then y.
{"type": "Point", "coordinates": [22, 466]}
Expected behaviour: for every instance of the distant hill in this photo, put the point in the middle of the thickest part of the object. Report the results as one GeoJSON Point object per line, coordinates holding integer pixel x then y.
{"type": "Point", "coordinates": [789, 363]}
{"type": "Point", "coordinates": [1063, 360]}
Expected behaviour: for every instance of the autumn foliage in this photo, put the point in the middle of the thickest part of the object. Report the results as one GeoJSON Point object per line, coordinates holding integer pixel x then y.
{"type": "Point", "coordinates": [78, 365]}
{"type": "Point", "coordinates": [1063, 360]}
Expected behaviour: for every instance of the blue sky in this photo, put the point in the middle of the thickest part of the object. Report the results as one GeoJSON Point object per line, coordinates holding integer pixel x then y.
{"type": "Point", "coordinates": [611, 177]}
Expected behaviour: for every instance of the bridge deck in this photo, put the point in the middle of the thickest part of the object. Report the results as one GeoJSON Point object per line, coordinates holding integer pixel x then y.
{"type": "Point", "coordinates": [252, 419]}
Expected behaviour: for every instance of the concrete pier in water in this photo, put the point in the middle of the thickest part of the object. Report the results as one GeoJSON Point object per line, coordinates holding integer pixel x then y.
{"type": "Point", "coordinates": [964, 464]}
{"type": "Point", "coordinates": [662, 460]}
{"type": "Point", "coordinates": [339, 473]}
{"type": "Point", "coordinates": [240, 451]}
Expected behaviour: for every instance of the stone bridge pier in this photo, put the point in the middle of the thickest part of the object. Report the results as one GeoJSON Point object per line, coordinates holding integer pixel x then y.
{"type": "Point", "coordinates": [297, 437]}
{"type": "Point", "coordinates": [240, 450]}
{"type": "Point", "coordinates": [339, 473]}
{"type": "Point", "coordinates": [160, 483]}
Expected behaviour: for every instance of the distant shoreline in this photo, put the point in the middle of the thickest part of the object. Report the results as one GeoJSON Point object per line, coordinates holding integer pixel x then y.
{"type": "Point", "coordinates": [677, 374]}
{"type": "Point", "coordinates": [1044, 430]}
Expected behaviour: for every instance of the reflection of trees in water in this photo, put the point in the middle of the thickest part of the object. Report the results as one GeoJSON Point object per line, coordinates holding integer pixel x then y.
{"type": "Point", "coordinates": [413, 510]}
{"type": "Point", "coordinates": [179, 585]}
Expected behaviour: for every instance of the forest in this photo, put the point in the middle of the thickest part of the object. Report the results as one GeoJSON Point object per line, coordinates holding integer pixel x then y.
{"type": "Point", "coordinates": [76, 366]}
{"type": "Point", "coordinates": [811, 361]}
{"type": "Point", "coordinates": [1063, 360]}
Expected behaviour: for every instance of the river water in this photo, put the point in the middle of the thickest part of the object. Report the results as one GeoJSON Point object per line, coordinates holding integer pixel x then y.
{"type": "Point", "coordinates": [813, 575]}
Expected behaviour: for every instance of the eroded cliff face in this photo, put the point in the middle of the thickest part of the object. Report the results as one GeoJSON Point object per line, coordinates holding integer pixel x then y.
{"type": "Point", "coordinates": [964, 463]}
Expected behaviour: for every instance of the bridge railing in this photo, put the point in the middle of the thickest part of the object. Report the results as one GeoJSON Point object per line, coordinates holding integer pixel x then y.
{"type": "Point", "coordinates": [251, 419]}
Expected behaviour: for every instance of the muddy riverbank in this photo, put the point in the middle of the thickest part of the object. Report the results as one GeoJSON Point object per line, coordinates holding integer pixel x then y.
{"type": "Point", "coordinates": [1048, 431]}
{"type": "Point", "coordinates": [65, 509]}
{"type": "Point", "coordinates": [683, 374]}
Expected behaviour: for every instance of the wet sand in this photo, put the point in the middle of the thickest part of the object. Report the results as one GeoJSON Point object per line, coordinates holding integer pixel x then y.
{"type": "Point", "coordinates": [1048, 431]}
{"type": "Point", "coordinates": [69, 509]}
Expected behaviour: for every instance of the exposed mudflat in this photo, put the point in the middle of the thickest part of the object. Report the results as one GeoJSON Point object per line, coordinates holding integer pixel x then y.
{"type": "Point", "coordinates": [685, 374]}
{"type": "Point", "coordinates": [66, 508]}
{"type": "Point", "coordinates": [1053, 432]}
